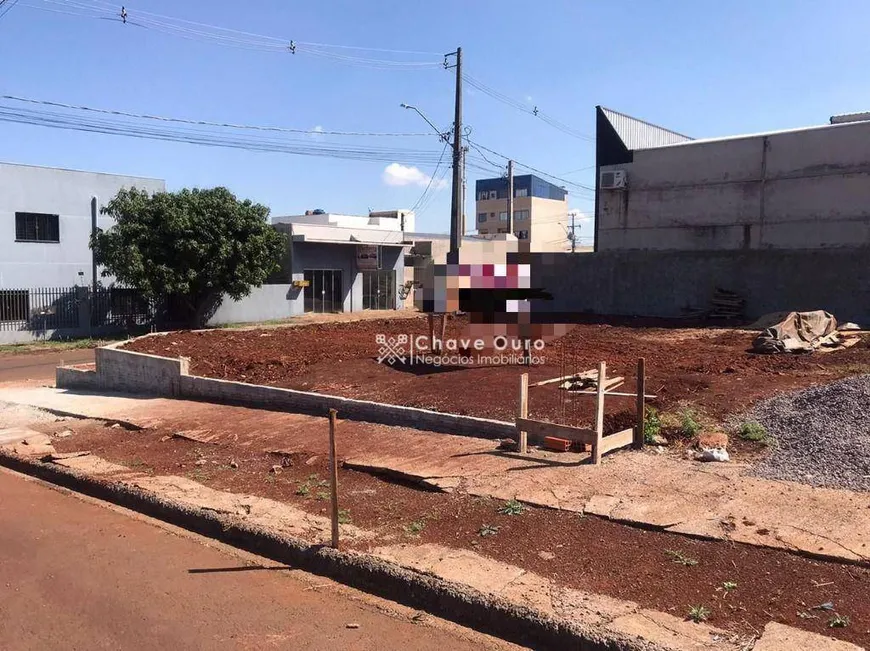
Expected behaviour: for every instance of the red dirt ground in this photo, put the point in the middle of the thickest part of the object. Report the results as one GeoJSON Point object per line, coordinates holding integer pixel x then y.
{"type": "Point", "coordinates": [709, 368]}
{"type": "Point", "coordinates": [590, 553]}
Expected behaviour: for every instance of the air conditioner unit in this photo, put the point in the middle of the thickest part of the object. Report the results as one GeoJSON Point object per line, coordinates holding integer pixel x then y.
{"type": "Point", "coordinates": [613, 180]}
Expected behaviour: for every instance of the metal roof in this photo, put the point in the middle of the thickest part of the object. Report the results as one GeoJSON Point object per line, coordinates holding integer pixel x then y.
{"type": "Point", "coordinates": [639, 134]}
{"type": "Point", "coordinates": [843, 118]}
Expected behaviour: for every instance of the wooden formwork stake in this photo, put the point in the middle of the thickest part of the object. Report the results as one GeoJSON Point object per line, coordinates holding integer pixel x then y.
{"type": "Point", "coordinates": [333, 477]}
{"type": "Point", "coordinates": [599, 413]}
{"type": "Point", "coordinates": [641, 408]}
{"type": "Point", "coordinates": [431, 318]}
{"type": "Point", "coordinates": [523, 412]}
{"type": "Point", "coordinates": [443, 327]}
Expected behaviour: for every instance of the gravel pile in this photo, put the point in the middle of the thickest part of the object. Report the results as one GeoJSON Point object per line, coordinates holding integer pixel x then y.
{"type": "Point", "coordinates": [822, 435]}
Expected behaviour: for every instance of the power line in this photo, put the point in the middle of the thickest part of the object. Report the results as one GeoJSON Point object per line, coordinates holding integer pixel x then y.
{"type": "Point", "coordinates": [228, 37]}
{"type": "Point", "coordinates": [574, 184]}
{"type": "Point", "coordinates": [432, 177]}
{"type": "Point", "coordinates": [228, 125]}
{"type": "Point", "coordinates": [206, 137]}
{"type": "Point", "coordinates": [522, 106]}
{"type": "Point", "coordinates": [6, 6]}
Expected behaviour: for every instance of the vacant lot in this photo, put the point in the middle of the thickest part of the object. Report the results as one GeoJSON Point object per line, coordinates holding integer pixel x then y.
{"type": "Point", "coordinates": [709, 368]}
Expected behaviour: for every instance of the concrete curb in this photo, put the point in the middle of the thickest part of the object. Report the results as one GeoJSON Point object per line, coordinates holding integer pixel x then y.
{"type": "Point", "coordinates": [449, 600]}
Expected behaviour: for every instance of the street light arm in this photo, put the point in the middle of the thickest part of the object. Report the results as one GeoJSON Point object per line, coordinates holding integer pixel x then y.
{"type": "Point", "coordinates": [428, 121]}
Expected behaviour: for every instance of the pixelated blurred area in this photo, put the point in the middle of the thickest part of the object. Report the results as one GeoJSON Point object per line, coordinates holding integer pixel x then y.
{"type": "Point", "coordinates": [496, 298]}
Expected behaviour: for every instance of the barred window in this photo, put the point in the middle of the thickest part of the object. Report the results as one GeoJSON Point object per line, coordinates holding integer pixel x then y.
{"type": "Point", "coordinates": [36, 227]}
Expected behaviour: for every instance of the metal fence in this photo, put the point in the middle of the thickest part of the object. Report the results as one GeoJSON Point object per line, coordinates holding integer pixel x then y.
{"type": "Point", "coordinates": [42, 308]}
{"type": "Point", "coordinates": [73, 308]}
{"type": "Point", "coordinates": [120, 306]}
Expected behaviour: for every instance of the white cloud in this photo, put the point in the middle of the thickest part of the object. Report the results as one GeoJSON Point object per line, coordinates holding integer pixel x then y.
{"type": "Point", "coordinates": [316, 133]}
{"type": "Point", "coordinates": [396, 174]}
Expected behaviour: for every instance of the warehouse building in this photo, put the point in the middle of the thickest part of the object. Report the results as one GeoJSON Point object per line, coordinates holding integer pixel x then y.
{"type": "Point", "coordinates": [805, 188]}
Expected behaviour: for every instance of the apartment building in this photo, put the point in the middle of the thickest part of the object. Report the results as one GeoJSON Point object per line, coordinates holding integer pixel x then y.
{"type": "Point", "coordinates": [540, 211]}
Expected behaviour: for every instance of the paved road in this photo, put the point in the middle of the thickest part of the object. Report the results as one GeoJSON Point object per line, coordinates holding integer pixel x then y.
{"type": "Point", "coordinates": [77, 574]}
{"type": "Point", "coordinates": [21, 367]}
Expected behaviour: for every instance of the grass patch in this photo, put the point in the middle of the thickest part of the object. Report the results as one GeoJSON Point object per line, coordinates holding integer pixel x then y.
{"type": "Point", "coordinates": [753, 431]}
{"type": "Point", "coordinates": [59, 344]}
{"type": "Point", "coordinates": [303, 490]}
{"type": "Point", "coordinates": [839, 621]}
{"type": "Point", "coordinates": [512, 507]}
{"type": "Point", "coordinates": [414, 528]}
{"type": "Point", "coordinates": [680, 558]}
{"type": "Point", "coordinates": [488, 530]}
{"type": "Point", "coordinates": [344, 517]}
{"type": "Point", "coordinates": [728, 586]}
{"type": "Point", "coordinates": [698, 614]}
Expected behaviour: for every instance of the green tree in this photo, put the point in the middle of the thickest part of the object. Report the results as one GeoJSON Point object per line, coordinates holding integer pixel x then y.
{"type": "Point", "coordinates": [193, 245]}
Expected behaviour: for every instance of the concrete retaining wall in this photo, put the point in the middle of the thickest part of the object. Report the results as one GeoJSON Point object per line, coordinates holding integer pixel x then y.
{"type": "Point", "coordinates": [126, 371]}
{"type": "Point", "coordinates": [665, 283]}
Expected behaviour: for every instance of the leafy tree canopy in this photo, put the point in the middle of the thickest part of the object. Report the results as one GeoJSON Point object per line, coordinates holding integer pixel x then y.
{"type": "Point", "coordinates": [194, 244]}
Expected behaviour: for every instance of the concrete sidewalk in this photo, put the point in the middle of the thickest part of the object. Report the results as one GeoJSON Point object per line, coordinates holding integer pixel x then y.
{"type": "Point", "coordinates": [710, 500]}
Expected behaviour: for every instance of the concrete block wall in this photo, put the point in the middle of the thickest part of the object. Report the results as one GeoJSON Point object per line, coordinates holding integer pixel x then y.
{"type": "Point", "coordinates": [663, 283]}
{"type": "Point", "coordinates": [126, 371]}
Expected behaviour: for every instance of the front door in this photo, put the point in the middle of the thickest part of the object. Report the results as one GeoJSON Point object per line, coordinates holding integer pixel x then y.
{"type": "Point", "coordinates": [379, 290]}
{"type": "Point", "coordinates": [323, 293]}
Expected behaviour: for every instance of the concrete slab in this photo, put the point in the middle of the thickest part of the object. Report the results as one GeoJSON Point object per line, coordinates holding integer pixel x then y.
{"type": "Point", "coordinates": [779, 637]}
{"type": "Point", "coordinates": [259, 511]}
{"type": "Point", "coordinates": [26, 442]}
{"type": "Point", "coordinates": [710, 500]}
{"type": "Point", "coordinates": [91, 465]}
{"type": "Point", "coordinates": [671, 632]}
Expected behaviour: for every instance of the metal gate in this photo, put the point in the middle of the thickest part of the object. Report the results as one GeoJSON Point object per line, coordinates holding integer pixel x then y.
{"type": "Point", "coordinates": [323, 293]}
{"type": "Point", "coordinates": [379, 290]}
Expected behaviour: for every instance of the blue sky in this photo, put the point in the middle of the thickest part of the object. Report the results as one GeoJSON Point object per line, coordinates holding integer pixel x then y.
{"type": "Point", "coordinates": [701, 68]}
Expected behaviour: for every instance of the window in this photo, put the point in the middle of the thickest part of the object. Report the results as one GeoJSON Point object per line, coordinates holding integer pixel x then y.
{"type": "Point", "coordinates": [36, 227]}
{"type": "Point", "coordinates": [483, 195]}
{"type": "Point", "coordinates": [522, 235]}
{"type": "Point", "coordinates": [481, 217]}
{"type": "Point", "coordinates": [14, 304]}
{"type": "Point", "coordinates": [502, 216]}
{"type": "Point", "coordinates": [502, 230]}
{"type": "Point", "coordinates": [492, 215]}
{"type": "Point", "coordinates": [493, 194]}
{"type": "Point", "coordinates": [521, 192]}
{"type": "Point", "coordinates": [521, 215]}
{"type": "Point", "coordinates": [483, 231]}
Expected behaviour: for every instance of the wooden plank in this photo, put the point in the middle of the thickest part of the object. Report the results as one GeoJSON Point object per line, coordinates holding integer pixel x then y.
{"type": "Point", "coordinates": [333, 478]}
{"type": "Point", "coordinates": [599, 413]}
{"type": "Point", "coordinates": [641, 408]}
{"type": "Point", "coordinates": [575, 376]}
{"type": "Point", "coordinates": [523, 442]}
{"type": "Point", "coordinates": [618, 440]}
{"type": "Point", "coordinates": [622, 394]}
{"type": "Point", "coordinates": [542, 429]}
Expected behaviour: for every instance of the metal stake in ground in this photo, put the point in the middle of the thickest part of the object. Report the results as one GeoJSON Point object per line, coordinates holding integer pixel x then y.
{"type": "Point", "coordinates": [333, 477]}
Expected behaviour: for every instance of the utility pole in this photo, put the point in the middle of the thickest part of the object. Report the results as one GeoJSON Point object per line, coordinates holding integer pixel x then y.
{"type": "Point", "coordinates": [573, 233]}
{"type": "Point", "coordinates": [510, 197]}
{"type": "Point", "coordinates": [456, 202]}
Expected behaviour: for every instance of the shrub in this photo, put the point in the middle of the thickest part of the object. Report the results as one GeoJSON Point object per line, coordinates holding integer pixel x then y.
{"type": "Point", "coordinates": [652, 425]}
{"type": "Point", "coordinates": [753, 431]}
